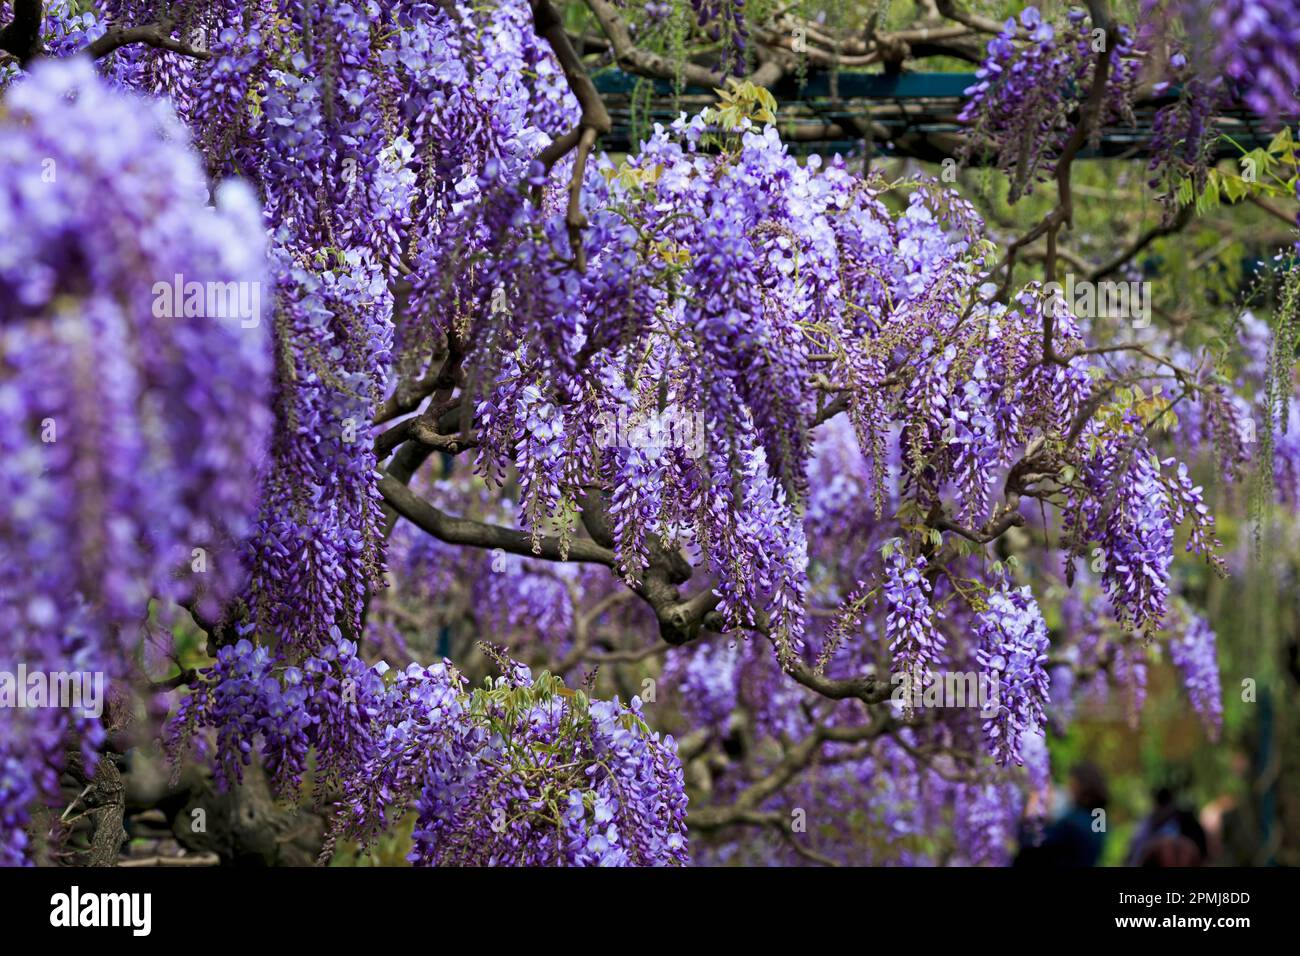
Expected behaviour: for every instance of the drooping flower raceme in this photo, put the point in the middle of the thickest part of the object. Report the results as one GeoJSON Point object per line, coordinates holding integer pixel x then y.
{"type": "Point", "coordinates": [1012, 650]}
{"type": "Point", "coordinates": [914, 640]}
{"type": "Point", "coordinates": [133, 389]}
{"type": "Point", "coordinates": [1194, 654]}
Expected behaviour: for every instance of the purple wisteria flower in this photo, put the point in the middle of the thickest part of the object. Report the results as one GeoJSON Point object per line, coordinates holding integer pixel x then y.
{"type": "Point", "coordinates": [1012, 651]}
{"type": "Point", "coordinates": [1194, 653]}
{"type": "Point", "coordinates": [133, 421]}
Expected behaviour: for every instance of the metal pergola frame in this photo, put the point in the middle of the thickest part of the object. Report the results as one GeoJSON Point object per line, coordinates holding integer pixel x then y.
{"type": "Point", "coordinates": [819, 114]}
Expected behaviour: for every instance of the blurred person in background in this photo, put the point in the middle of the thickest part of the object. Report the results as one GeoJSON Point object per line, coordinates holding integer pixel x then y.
{"type": "Point", "coordinates": [1231, 830]}
{"type": "Point", "coordinates": [1171, 836]}
{"type": "Point", "coordinates": [1076, 836]}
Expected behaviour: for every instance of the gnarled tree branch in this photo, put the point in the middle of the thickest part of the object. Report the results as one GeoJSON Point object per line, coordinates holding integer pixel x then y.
{"type": "Point", "coordinates": [156, 35]}
{"type": "Point", "coordinates": [22, 37]}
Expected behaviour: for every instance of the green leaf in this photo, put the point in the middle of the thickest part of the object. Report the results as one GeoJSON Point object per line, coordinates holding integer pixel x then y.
{"type": "Point", "coordinates": [1262, 160]}
{"type": "Point", "coordinates": [1209, 199]}
{"type": "Point", "coordinates": [1234, 187]}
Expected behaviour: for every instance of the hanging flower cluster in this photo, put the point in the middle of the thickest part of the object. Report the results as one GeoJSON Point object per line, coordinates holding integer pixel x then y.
{"type": "Point", "coordinates": [133, 393]}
